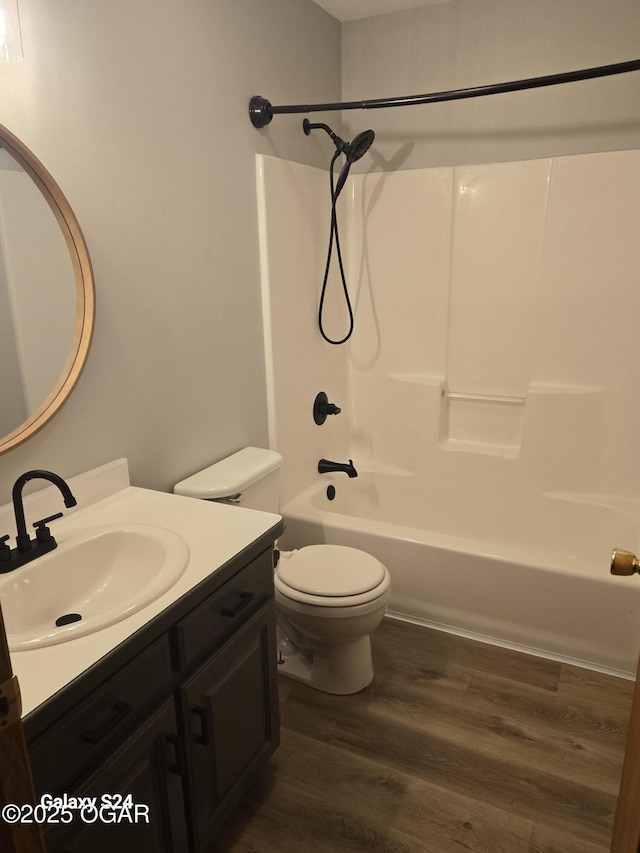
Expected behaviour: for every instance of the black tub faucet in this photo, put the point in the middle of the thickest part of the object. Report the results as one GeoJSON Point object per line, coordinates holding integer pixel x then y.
{"type": "Point", "coordinates": [28, 549]}
{"type": "Point", "coordinates": [327, 467]}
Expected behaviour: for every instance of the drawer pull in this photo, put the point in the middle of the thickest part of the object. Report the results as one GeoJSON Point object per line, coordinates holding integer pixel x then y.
{"type": "Point", "coordinates": [203, 737]}
{"type": "Point", "coordinates": [176, 767]}
{"type": "Point", "coordinates": [120, 711]}
{"type": "Point", "coordinates": [245, 599]}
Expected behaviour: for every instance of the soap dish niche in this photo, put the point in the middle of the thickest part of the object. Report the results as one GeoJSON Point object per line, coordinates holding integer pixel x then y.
{"type": "Point", "coordinates": [478, 423]}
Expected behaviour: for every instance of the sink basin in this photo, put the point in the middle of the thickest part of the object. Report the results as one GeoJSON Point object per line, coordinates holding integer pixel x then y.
{"type": "Point", "coordinates": [95, 578]}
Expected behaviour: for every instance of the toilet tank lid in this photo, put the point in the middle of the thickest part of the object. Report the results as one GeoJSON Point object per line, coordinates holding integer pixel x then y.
{"type": "Point", "coordinates": [231, 475]}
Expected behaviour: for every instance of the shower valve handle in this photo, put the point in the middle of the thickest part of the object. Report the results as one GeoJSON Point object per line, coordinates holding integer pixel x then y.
{"type": "Point", "coordinates": [322, 408]}
{"type": "Point", "coordinates": [624, 563]}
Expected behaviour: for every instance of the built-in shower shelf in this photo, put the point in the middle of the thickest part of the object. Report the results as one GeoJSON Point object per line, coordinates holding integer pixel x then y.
{"type": "Point", "coordinates": [482, 423]}
{"type": "Point", "coordinates": [495, 425]}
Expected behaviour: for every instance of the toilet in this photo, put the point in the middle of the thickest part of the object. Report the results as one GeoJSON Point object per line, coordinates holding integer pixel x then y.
{"type": "Point", "coordinates": [329, 598]}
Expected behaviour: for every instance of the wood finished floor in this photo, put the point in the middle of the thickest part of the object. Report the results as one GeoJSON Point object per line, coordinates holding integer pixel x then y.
{"type": "Point", "coordinates": [455, 746]}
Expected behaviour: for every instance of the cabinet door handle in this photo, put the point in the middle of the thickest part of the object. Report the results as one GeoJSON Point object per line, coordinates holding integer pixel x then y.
{"type": "Point", "coordinates": [120, 711]}
{"type": "Point", "coordinates": [245, 599]}
{"type": "Point", "coordinates": [201, 713]}
{"type": "Point", "coordinates": [176, 767]}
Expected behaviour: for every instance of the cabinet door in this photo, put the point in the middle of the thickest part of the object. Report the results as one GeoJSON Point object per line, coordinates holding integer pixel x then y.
{"type": "Point", "coordinates": [230, 707]}
{"type": "Point", "coordinates": [89, 732]}
{"type": "Point", "coordinates": [147, 767]}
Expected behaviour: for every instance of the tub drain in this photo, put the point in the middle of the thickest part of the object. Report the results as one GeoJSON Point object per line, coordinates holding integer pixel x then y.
{"type": "Point", "coordinates": [67, 619]}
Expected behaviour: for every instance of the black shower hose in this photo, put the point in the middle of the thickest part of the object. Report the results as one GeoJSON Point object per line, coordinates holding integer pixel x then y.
{"type": "Point", "coordinates": [333, 234]}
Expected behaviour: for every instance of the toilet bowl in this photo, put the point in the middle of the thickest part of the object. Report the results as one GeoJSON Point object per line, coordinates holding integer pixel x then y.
{"type": "Point", "coordinates": [333, 597]}
{"type": "Point", "coordinates": [329, 598]}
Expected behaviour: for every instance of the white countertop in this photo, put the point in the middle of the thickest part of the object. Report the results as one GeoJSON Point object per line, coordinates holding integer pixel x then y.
{"type": "Point", "coordinates": [214, 532]}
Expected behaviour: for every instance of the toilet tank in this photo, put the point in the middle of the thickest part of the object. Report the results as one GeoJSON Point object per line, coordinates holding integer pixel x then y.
{"type": "Point", "coordinates": [249, 478]}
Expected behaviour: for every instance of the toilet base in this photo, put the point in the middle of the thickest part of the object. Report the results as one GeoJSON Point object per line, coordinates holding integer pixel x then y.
{"type": "Point", "coordinates": [337, 668]}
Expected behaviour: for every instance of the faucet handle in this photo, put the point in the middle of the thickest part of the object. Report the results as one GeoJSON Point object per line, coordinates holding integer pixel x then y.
{"type": "Point", "coordinates": [5, 550]}
{"type": "Point", "coordinates": [43, 534]}
{"type": "Point", "coordinates": [322, 408]}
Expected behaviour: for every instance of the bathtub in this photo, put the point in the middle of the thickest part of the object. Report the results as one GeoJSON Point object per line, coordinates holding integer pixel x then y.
{"type": "Point", "coordinates": [531, 574]}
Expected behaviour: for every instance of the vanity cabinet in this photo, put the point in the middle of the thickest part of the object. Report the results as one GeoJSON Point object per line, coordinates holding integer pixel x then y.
{"type": "Point", "coordinates": [143, 768]}
{"type": "Point", "coordinates": [182, 717]}
{"type": "Point", "coordinates": [230, 726]}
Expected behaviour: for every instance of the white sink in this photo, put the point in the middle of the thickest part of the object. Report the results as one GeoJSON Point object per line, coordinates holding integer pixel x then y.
{"type": "Point", "coordinates": [96, 577]}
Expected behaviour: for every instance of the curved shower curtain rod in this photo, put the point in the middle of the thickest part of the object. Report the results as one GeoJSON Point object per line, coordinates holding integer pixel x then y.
{"type": "Point", "coordinates": [261, 111]}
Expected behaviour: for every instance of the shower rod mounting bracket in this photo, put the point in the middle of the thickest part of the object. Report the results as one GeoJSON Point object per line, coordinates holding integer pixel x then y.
{"type": "Point", "coordinates": [261, 111]}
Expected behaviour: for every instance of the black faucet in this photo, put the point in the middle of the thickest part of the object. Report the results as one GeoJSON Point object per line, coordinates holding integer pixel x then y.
{"type": "Point", "coordinates": [327, 467]}
{"type": "Point", "coordinates": [28, 549]}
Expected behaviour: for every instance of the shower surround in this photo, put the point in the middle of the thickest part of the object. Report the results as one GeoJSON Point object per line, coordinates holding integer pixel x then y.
{"type": "Point", "coordinates": [490, 397]}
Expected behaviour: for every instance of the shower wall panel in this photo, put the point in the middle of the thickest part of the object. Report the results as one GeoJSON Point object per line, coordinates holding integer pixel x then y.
{"type": "Point", "coordinates": [541, 293]}
{"type": "Point", "coordinates": [589, 309]}
{"type": "Point", "coordinates": [498, 224]}
{"type": "Point", "coordinates": [400, 271]}
{"type": "Point", "coordinates": [294, 229]}
{"type": "Point", "coordinates": [495, 324]}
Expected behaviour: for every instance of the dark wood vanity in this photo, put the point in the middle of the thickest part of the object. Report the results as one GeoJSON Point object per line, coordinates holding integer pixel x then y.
{"type": "Point", "coordinates": [182, 716]}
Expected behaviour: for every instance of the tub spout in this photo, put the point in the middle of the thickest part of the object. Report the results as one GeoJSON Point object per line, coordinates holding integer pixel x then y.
{"type": "Point", "coordinates": [327, 467]}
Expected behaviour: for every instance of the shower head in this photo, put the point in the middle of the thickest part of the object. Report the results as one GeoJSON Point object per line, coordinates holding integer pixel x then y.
{"type": "Point", "coordinates": [360, 145]}
{"type": "Point", "coordinates": [353, 151]}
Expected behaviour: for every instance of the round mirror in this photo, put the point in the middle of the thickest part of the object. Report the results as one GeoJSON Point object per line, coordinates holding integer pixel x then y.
{"type": "Point", "coordinates": [47, 298]}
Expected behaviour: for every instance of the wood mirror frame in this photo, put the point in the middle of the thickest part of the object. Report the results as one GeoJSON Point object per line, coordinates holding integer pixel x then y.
{"type": "Point", "coordinates": [85, 292]}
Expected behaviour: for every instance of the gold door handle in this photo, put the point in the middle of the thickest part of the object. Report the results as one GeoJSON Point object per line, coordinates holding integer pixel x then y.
{"type": "Point", "coordinates": [624, 562]}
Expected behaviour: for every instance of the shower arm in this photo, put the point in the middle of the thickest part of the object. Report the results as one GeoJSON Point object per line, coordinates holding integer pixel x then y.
{"type": "Point", "coordinates": [261, 110]}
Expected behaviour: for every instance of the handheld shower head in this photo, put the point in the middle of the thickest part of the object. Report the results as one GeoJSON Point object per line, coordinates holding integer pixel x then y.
{"type": "Point", "coordinates": [360, 145]}
{"type": "Point", "coordinates": [353, 150]}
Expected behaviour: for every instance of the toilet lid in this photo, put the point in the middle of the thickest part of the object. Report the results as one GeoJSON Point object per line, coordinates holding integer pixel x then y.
{"type": "Point", "coordinates": [331, 570]}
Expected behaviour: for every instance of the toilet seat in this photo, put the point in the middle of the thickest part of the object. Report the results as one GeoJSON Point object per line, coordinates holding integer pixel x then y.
{"type": "Point", "coordinates": [332, 576]}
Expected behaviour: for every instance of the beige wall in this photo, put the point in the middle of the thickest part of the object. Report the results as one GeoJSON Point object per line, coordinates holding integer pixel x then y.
{"type": "Point", "coordinates": [465, 43]}
{"type": "Point", "coordinates": [139, 110]}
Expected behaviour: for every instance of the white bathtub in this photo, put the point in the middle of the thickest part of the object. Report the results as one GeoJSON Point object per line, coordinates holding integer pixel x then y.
{"type": "Point", "coordinates": [532, 575]}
